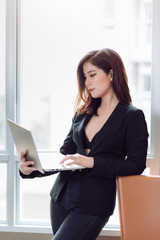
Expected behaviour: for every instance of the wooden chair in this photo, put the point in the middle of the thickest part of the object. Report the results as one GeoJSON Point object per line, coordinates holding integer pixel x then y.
{"type": "Point", "coordinates": [139, 207]}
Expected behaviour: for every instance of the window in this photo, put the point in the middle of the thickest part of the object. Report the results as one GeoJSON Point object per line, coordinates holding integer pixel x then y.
{"type": "Point", "coordinates": [3, 165]}
{"type": "Point", "coordinates": [2, 77]}
{"type": "Point", "coordinates": [3, 198]}
{"type": "Point", "coordinates": [50, 54]}
{"type": "Point", "coordinates": [38, 58]}
{"type": "Point", "coordinates": [34, 193]}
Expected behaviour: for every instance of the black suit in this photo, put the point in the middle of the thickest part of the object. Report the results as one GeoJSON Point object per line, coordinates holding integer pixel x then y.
{"type": "Point", "coordinates": [119, 149]}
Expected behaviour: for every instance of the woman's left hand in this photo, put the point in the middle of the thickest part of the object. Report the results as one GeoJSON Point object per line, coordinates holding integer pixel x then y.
{"type": "Point", "coordinates": [78, 159]}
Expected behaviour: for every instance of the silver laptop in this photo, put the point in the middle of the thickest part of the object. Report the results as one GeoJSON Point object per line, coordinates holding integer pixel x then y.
{"type": "Point", "coordinates": [25, 143]}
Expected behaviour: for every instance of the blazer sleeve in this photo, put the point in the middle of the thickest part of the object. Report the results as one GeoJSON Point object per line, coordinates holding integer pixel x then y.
{"type": "Point", "coordinates": [37, 174]}
{"type": "Point", "coordinates": [136, 143]}
{"type": "Point", "coordinates": [69, 146]}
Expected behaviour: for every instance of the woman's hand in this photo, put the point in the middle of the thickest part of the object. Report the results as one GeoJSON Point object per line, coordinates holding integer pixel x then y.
{"type": "Point", "coordinates": [25, 166]}
{"type": "Point", "coordinates": [79, 159]}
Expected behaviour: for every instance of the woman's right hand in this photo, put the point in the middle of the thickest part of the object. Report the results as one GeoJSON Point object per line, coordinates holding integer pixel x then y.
{"type": "Point", "coordinates": [26, 166]}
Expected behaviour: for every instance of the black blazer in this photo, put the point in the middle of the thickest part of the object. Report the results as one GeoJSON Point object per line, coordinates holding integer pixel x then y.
{"type": "Point", "coordinates": [119, 149]}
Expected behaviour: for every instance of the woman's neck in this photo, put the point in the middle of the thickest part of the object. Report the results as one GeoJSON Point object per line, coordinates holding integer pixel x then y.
{"type": "Point", "coordinates": [108, 103]}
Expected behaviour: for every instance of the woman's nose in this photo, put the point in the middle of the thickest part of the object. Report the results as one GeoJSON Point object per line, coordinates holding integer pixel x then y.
{"type": "Point", "coordinates": [88, 82]}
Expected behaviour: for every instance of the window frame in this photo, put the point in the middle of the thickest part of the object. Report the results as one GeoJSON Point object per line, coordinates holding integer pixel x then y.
{"type": "Point", "coordinates": [153, 161]}
{"type": "Point", "coordinates": [12, 79]}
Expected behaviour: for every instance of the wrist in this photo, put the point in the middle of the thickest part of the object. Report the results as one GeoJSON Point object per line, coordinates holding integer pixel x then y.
{"type": "Point", "coordinates": [91, 162]}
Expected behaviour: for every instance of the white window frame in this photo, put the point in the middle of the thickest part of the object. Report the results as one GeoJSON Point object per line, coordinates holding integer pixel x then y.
{"type": "Point", "coordinates": [154, 161]}
{"type": "Point", "coordinates": [12, 77]}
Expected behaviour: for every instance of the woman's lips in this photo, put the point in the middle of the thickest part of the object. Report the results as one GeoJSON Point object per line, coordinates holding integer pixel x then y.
{"type": "Point", "coordinates": [90, 90]}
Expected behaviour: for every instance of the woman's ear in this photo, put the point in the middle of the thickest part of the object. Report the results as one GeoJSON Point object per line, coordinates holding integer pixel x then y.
{"type": "Point", "coordinates": [111, 75]}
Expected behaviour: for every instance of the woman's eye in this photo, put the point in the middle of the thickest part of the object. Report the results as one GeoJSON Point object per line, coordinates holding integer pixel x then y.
{"type": "Point", "coordinates": [92, 75]}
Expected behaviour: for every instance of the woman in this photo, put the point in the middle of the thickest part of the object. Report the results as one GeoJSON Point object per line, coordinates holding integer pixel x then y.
{"type": "Point", "coordinates": [108, 137]}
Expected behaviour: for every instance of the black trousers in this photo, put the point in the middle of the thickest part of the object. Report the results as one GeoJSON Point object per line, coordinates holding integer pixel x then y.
{"type": "Point", "coordinates": [73, 225]}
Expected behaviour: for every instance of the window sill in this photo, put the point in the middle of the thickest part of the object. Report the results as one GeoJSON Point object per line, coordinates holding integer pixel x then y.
{"type": "Point", "coordinates": [47, 230]}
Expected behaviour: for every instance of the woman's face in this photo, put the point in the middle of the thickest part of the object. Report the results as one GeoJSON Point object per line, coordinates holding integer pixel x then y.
{"type": "Point", "coordinates": [97, 81]}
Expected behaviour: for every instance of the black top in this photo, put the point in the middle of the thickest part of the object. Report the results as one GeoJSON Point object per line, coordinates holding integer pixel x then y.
{"type": "Point", "coordinates": [86, 143]}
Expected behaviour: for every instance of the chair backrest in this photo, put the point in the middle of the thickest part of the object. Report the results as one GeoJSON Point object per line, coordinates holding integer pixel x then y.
{"type": "Point", "coordinates": [139, 207]}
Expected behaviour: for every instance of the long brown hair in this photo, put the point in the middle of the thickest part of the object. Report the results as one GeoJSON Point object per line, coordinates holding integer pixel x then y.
{"type": "Point", "coordinates": [105, 59]}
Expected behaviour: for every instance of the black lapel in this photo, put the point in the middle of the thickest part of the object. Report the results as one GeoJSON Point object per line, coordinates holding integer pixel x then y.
{"type": "Point", "coordinates": [112, 121]}
{"type": "Point", "coordinates": [79, 130]}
